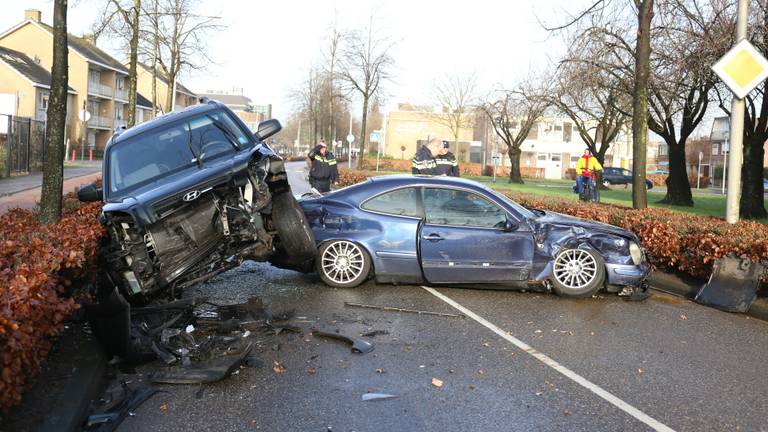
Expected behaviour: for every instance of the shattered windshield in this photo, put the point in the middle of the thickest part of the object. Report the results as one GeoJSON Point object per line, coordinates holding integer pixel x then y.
{"type": "Point", "coordinates": [144, 158]}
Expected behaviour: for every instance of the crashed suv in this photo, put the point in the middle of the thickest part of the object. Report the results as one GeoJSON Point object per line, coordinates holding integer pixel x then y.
{"type": "Point", "coordinates": [191, 194]}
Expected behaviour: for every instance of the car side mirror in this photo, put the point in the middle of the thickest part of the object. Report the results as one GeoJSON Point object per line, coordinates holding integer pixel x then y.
{"type": "Point", "coordinates": [510, 225]}
{"type": "Point", "coordinates": [267, 128]}
{"type": "Point", "coordinates": [90, 193]}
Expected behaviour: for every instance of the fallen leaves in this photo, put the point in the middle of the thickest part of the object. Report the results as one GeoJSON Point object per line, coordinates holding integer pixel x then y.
{"type": "Point", "coordinates": [310, 371]}
{"type": "Point", "coordinates": [380, 371]}
{"type": "Point", "coordinates": [164, 408]}
{"type": "Point", "coordinates": [683, 317]}
{"type": "Point", "coordinates": [277, 367]}
{"type": "Point", "coordinates": [437, 382]}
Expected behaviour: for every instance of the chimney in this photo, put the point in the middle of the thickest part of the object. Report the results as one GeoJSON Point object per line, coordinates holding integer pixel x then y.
{"type": "Point", "coordinates": [32, 14]}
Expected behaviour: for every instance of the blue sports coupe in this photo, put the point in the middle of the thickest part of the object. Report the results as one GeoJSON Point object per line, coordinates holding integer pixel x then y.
{"type": "Point", "coordinates": [441, 230]}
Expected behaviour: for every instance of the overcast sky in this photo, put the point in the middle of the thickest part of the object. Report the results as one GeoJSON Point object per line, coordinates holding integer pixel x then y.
{"type": "Point", "coordinates": [267, 47]}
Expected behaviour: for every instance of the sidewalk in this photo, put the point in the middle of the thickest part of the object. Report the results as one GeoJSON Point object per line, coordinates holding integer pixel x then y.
{"type": "Point", "coordinates": [12, 185]}
{"type": "Point", "coordinates": [24, 191]}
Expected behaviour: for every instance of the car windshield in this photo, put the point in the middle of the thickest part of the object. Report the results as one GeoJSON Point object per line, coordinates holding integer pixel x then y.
{"type": "Point", "coordinates": [522, 211]}
{"type": "Point", "coordinates": [144, 158]}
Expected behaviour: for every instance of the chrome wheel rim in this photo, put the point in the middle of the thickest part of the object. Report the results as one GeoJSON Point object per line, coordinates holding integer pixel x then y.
{"type": "Point", "coordinates": [575, 268]}
{"type": "Point", "coordinates": [342, 262]}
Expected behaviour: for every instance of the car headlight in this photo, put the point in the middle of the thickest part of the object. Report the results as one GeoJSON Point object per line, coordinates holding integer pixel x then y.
{"type": "Point", "coordinates": [636, 253]}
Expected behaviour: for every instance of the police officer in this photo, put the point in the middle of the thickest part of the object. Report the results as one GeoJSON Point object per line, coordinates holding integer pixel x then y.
{"type": "Point", "coordinates": [423, 161]}
{"type": "Point", "coordinates": [324, 170]}
{"type": "Point", "coordinates": [446, 162]}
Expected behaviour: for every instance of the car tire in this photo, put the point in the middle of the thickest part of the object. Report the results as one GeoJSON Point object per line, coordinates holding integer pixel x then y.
{"type": "Point", "coordinates": [296, 237]}
{"type": "Point", "coordinates": [577, 273]}
{"type": "Point", "coordinates": [343, 264]}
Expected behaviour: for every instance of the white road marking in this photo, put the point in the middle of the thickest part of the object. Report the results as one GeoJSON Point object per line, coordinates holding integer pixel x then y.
{"type": "Point", "coordinates": [573, 376]}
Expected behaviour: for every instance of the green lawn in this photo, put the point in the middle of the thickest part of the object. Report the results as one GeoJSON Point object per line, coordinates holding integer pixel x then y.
{"type": "Point", "coordinates": [705, 203]}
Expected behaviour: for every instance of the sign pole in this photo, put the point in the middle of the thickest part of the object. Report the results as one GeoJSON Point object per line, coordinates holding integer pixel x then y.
{"type": "Point", "coordinates": [737, 131]}
{"type": "Point", "coordinates": [725, 168]}
{"type": "Point", "coordinates": [698, 171]}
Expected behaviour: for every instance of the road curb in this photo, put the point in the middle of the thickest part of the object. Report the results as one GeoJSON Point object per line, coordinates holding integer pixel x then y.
{"type": "Point", "coordinates": [7, 194]}
{"type": "Point", "coordinates": [688, 287]}
{"type": "Point", "coordinates": [85, 385]}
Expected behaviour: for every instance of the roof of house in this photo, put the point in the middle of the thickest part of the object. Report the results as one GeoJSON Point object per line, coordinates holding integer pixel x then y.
{"type": "Point", "coordinates": [27, 67]}
{"type": "Point", "coordinates": [142, 101]}
{"type": "Point", "coordinates": [180, 88]}
{"type": "Point", "coordinates": [229, 100]}
{"type": "Point", "coordinates": [90, 51]}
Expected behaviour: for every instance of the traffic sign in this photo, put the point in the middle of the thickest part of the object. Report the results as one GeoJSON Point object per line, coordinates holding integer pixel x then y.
{"type": "Point", "coordinates": [376, 136]}
{"type": "Point", "coordinates": [742, 68]}
{"type": "Point", "coordinates": [350, 138]}
{"type": "Point", "coordinates": [84, 116]}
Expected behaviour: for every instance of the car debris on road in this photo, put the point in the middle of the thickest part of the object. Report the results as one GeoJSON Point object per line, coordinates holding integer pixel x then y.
{"type": "Point", "coordinates": [359, 346]}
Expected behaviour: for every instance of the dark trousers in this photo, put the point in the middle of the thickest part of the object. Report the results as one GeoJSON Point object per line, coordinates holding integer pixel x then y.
{"type": "Point", "coordinates": [322, 185]}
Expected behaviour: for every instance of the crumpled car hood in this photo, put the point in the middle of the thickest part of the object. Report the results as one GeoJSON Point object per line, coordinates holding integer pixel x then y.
{"type": "Point", "coordinates": [552, 218]}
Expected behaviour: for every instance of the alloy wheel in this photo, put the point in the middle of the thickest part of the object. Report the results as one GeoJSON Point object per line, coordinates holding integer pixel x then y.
{"type": "Point", "coordinates": [342, 262]}
{"type": "Point", "coordinates": [575, 268]}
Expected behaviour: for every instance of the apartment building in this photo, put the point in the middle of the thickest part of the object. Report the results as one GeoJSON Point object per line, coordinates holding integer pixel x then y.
{"type": "Point", "coordinates": [250, 113]}
{"type": "Point", "coordinates": [25, 87]}
{"type": "Point", "coordinates": [184, 97]}
{"type": "Point", "coordinates": [99, 82]}
{"type": "Point", "coordinates": [412, 125]}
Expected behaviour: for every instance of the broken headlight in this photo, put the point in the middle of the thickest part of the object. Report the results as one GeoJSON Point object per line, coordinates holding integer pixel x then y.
{"type": "Point", "coordinates": [636, 253]}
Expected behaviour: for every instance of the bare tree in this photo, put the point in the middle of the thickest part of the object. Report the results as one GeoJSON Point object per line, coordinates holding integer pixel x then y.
{"type": "Point", "coordinates": [641, 55]}
{"type": "Point", "coordinates": [333, 93]}
{"type": "Point", "coordinates": [365, 65]}
{"type": "Point", "coordinates": [182, 38]}
{"type": "Point", "coordinates": [513, 114]}
{"type": "Point", "coordinates": [455, 95]}
{"type": "Point", "coordinates": [122, 19]}
{"type": "Point", "coordinates": [53, 163]}
{"type": "Point", "coordinates": [592, 100]}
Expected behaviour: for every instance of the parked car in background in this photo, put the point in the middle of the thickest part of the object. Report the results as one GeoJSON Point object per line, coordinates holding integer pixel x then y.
{"type": "Point", "coordinates": [620, 176]}
{"type": "Point", "coordinates": [658, 171]}
{"type": "Point", "coordinates": [443, 230]}
{"type": "Point", "coordinates": [190, 194]}
{"type": "Point", "coordinates": [765, 184]}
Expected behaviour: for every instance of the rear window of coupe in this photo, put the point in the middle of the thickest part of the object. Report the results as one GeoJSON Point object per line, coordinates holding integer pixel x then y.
{"type": "Point", "coordinates": [400, 202]}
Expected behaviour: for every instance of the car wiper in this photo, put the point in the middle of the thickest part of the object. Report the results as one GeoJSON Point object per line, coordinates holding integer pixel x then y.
{"type": "Point", "coordinates": [192, 147]}
{"type": "Point", "coordinates": [227, 133]}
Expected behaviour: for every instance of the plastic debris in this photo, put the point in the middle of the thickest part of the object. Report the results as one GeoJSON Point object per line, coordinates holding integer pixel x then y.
{"type": "Point", "coordinates": [359, 346]}
{"type": "Point", "coordinates": [377, 396]}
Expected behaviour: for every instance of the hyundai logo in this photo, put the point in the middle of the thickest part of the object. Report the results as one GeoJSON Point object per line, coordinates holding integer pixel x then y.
{"type": "Point", "coordinates": [191, 195]}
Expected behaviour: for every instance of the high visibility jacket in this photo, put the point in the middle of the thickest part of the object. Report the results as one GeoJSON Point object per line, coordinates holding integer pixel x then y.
{"type": "Point", "coordinates": [447, 165]}
{"type": "Point", "coordinates": [423, 162]}
{"type": "Point", "coordinates": [323, 167]}
{"type": "Point", "coordinates": [586, 165]}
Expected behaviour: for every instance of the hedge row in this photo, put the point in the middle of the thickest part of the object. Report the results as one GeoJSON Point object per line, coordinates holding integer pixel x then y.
{"type": "Point", "coordinates": [673, 240]}
{"type": "Point", "coordinates": [467, 169]}
{"type": "Point", "coordinates": [37, 264]}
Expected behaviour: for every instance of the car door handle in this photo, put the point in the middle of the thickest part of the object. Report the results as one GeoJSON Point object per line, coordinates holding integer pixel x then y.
{"type": "Point", "coordinates": [433, 237]}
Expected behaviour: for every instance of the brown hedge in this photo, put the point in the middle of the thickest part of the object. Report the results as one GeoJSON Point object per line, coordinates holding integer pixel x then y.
{"type": "Point", "coordinates": [673, 240]}
{"type": "Point", "coordinates": [37, 264]}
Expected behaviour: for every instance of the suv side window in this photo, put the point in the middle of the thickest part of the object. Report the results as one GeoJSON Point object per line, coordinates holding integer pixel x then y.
{"type": "Point", "coordinates": [400, 202]}
{"type": "Point", "coordinates": [462, 208]}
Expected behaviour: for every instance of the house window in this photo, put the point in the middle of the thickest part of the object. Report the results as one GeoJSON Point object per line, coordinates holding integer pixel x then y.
{"type": "Point", "coordinates": [663, 150]}
{"type": "Point", "coordinates": [558, 127]}
{"type": "Point", "coordinates": [44, 101]}
{"type": "Point", "coordinates": [120, 84]}
{"type": "Point", "coordinates": [541, 156]}
{"type": "Point", "coordinates": [555, 157]}
{"type": "Point", "coordinates": [574, 160]}
{"type": "Point", "coordinates": [715, 149]}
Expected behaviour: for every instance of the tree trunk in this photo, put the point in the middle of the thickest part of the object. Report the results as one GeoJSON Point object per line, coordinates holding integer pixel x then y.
{"type": "Point", "coordinates": [640, 103]}
{"type": "Point", "coordinates": [53, 163]}
{"type": "Point", "coordinates": [169, 96]}
{"type": "Point", "coordinates": [678, 188]}
{"type": "Point", "coordinates": [752, 205]}
{"type": "Point", "coordinates": [361, 156]}
{"type": "Point", "coordinates": [514, 165]}
{"type": "Point", "coordinates": [134, 58]}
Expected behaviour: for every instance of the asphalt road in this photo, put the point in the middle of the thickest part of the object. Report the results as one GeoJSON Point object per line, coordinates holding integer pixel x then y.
{"type": "Point", "coordinates": [552, 364]}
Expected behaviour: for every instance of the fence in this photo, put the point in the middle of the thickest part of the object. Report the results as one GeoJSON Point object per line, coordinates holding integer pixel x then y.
{"type": "Point", "coordinates": [22, 144]}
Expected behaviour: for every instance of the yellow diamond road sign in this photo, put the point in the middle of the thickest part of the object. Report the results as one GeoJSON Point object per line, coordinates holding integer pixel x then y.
{"type": "Point", "coordinates": [742, 68]}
